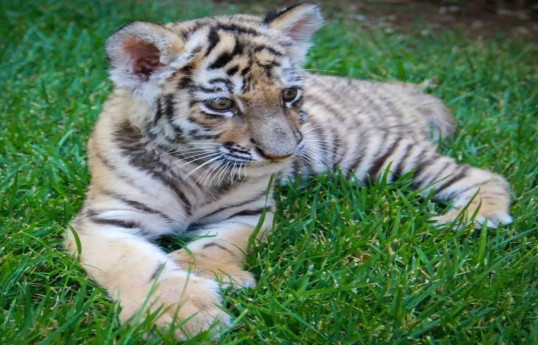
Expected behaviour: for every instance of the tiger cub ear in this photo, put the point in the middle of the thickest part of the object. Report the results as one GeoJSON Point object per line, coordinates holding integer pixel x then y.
{"type": "Point", "coordinates": [142, 53]}
{"type": "Point", "coordinates": [298, 23]}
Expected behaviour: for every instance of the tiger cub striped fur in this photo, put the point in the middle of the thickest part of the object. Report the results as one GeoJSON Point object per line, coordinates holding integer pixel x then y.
{"type": "Point", "coordinates": [203, 114]}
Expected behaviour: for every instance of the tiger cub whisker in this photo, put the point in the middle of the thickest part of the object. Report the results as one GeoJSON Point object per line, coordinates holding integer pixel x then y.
{"type": "Point", "coordinates": [195, 158]}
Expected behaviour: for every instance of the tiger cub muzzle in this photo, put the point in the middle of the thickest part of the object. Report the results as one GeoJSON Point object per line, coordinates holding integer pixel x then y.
{"type": "Point", "coordinates": [275, 138]}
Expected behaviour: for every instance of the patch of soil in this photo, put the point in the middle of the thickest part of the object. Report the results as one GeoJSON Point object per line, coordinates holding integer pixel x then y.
{"type": "Point", "coordinates": [517, 19]}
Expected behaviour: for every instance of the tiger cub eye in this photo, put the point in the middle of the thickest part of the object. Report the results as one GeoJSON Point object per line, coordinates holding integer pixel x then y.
{"type": "Point", "coordinates": [289, 95]}
{"type": "Point", "coordinates": [220, 103]}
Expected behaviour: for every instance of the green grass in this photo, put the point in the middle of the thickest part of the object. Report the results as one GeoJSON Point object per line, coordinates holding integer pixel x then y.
{"type": "Point", "coordinates": [345, 264]}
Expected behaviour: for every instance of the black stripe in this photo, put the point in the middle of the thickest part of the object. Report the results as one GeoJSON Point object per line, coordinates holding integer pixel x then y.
{"type": "Point", "coordinates": [89, 213]}
{"type": "Point", "coordinates": [422, 166]}
{"type": "Point", "coordinates": [177, 191]}
{"type": "Point", "coordinates": [254, 212]}
{"type": "Point", "coordinates": [393, 109]}
{"type": "Point", "coordinates": [494, 193]}
{"type": "Point", "coordinates": [222, 81]}
{"type": "Point", "coordinates": [439, 172]}
{"type": "Point", "coordinates": [221, 61]}
{"type": "Point", "coordinates": [226, 57]}
{"type": "Point", "coordinates": [461, 174]}
{"type": "Point", "coordinates": [274, 51]}
{"type": "Point", "coordinates": [484, 182]}
{"type": "Point", "coordinates": [358, 160]}
{"type": "Point", "coordinates": [271, 50]}
{"type": "Point", "coordinates": [184, 82]}
{"type": "Point", "coordinates": [158, 113]}
{"type": "Point", "coordinates": [239, 29]}
{"type": "Point", "coordinates": [169, 106]}
{"type": "Point", "coordinates": [134, 146]}
{"type": "Point", "coordinates": [115, 171]}
{"type": "Point", "coordinates": [232, 70]}
{"type": "Point", "coordinates": [169, 111]}
{"type": "Point", "coordinates": [245, 71]}
{"type": "Point", "coordinates": [127, 224]}
{"type": "Point", "coordinates": [157, 270]}
{"type": "Point", "coordinates": [239, 151]}
{"type": "Point", "coordinates": [468, 188]}
{"type": "Point", "coordinates": [189, 30]}
{"type": "Point", "coordinates": [378, 163]}
{"type": "Point", "coordinates": [274, 14]}
{"type": "Point", "coordinates": [224, 208]}
{"type": "Point", "coordinates": [186, 79]}
{"type": "Point", "coordinates": [398, 169]}
{"type": "Point", "coordinates": [135, 204]}
{"type": "Point", "coordinates": [207, 90]}
{"type": "Point", "coordinates": [213, 244]}
{"type": "Point", "coordinates": [213, 38]}
{"type": "Point", "coordinates": [105, 161]}
{"type": "Point", "coordinates": [219, 80]}
{"type": "Point", "coordinates": [452, 195]}
{"type": "Point", "coordinates": [423, 162]}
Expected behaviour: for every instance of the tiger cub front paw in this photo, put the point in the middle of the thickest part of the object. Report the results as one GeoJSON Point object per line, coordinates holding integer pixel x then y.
{"type": "Point", "coordinates": [226, 271]}
{"type": "Point", "coordinates": [191, 303]}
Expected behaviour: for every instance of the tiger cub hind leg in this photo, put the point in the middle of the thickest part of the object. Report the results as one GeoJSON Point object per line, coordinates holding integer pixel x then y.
{"type": "Point", "coordinates": [476, 195]}
{"type": "Point", "coordinates": [479, 196]}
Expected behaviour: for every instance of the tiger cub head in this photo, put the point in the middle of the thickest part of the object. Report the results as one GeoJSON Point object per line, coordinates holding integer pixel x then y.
{"type": "Point", "coordinates": [226, 88]}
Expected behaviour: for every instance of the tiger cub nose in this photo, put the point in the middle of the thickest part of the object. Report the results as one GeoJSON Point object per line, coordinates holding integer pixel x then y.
{"type": "Point", "coordinates": [274, 156]}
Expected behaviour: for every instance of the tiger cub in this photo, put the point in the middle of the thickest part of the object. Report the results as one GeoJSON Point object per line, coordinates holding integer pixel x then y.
{"type": "Point", "coordinates": [203, 114]}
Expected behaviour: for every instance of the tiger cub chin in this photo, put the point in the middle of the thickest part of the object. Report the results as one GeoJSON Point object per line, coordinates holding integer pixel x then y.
{"type": "Point", "coordinates": [203, 114]}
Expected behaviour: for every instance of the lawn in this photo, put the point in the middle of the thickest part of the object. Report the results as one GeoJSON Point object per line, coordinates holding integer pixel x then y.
{"type": "Point", "coordinates": [345, 265]}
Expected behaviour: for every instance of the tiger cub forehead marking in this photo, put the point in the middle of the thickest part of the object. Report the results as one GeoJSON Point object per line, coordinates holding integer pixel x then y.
{"type": "Point", "coordinates": [231, 55]}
